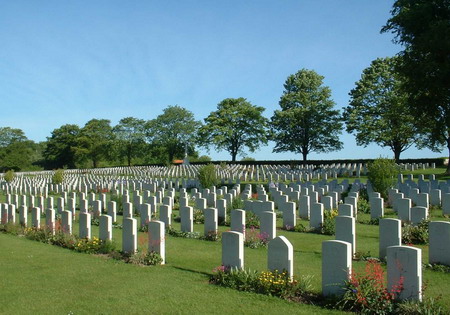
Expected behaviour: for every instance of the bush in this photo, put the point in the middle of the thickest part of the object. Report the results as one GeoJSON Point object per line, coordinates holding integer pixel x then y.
{"type": "Point", "coordinates": [415, 234]}
{"type": "Point", "coordinates": [329, 224]}
{"type": "Point", "coordinates": [366, 293]}
{"type": "Point", "coordinates": [273, 283]}
{"type": "Point", "coordinates": [382, 174]}
{"type": "Point", "coordinates": [254, 239]}
{"type": "Point", "coordinates": [251, 220]}
{"type": "Point", "coordinates": [58, 177]}
{"type": "Point", "coordinates": [145, 259]}
{"type": "Point", "coordinates": [9, 176]}
{"type": "Point", "coordinates": [427, 306]}
{"type": "Point", "coordinates": [363, 205]}
{"type": "Point", "coordinates": [207, 176]}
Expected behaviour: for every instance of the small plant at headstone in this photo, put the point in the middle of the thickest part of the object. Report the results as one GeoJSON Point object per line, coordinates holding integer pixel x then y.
{"type": "Point", "coordinates": [329, 223]}
{"type": "Point", "coordinates": [437, 267]}
{"type": "Point", "coordinates": [274, 283]}
{"type": "Point", "coordinates": [237, 203]}
{"type": "Point", "coordinates": [145, 258]}
{"type": "Point", "coordinates": [119, 204]}
{"type": "Point", "coordinates": [198, 217]}
{"type": "Point", "coordinates": [427, 306]}
{"type": "Point", "coordinates": [363, 205]}
{"type": "Point", "coordinates": [299, 227]}
{"type": "Point", "coordinates": [415, 234]}
{"type": "Point", "coordinates": [382, 174]}
{"type": "Point", "coordinates": [254, 239]}
{"type": "Point", "coordinates": [251, 220]}
{"type": "Point", "coordinates": [207, 176]}
{"type": "Point", "coordinates": [58, 177]}
{"type": "Point", "coordinates": [9, 176]}
{"type": "Point", "coordinates": [89, 246]}
{"type": "Point", "coordinates": [364, 256]}
{"type": "Point", "coordinates": [211, 236]}
{"type": "Point", "coordinates": [177, 233]}
{"type": "Point", "coordinates": [366, 292]}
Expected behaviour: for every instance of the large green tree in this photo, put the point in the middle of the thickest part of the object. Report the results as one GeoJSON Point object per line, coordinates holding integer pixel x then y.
{"type": "Point", "coordinates": [130, 138]}
{"type": "Point", "coordinates": [61, 147]}
{"type": "Point", "coordinates": [173, 132]}
{"type": "Point", "coordinates": [378, 111]}
{"type": "Point", "coordinates": [10, 135]}
{"type": "Point", "coordinates": [307, 121]}
{"type": "Point", "coordinates": [234, 126]}
{"type": "Point", "coordinates": [95, 141]}
{"type": "Point", "coordinates": [422, 27]}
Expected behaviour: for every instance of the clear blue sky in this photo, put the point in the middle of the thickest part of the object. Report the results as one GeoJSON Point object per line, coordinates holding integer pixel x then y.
{"type": "Point", "coordinates": [70, 61]}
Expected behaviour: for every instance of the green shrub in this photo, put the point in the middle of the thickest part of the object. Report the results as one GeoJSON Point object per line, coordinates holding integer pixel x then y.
{"type": "Point", "coordinates": [145, 259]}
{"type": "Point", "coordinates": [251, 220]}
{"type": "Point", "coordinates": [9, 176]}
{"type": "Point", "coordinates": [415, 234]}
{"type": "Point", "coordinates": [366, 292]}
{"type": "Point", "coordinates": [273, 283]}
{"type": "Point", "coordinates": [58, 177]}
{"type": "Point", "coordinates": [363, 205]}
{"type": "Point", "coordinates": [198, 217]}
{"type": "Point", "coordinates": [254, 239]}
{"type": "Point", "coordinates": [382, 174]}
{"type": "Point", "coordinates": [329, 225]}
{"type": "Point", "coordinates": [207, 176]}
{"type": "Point", "coordinates": [428, 306]}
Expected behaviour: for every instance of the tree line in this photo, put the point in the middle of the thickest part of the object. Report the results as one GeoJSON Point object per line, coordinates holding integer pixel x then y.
{"type": "Point", "coordinates": [399, 101]}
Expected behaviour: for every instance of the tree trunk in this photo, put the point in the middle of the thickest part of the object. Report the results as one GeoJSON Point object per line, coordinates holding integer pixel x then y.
{"type": "Point", "coordinates": [305, 155]}
{"type": "Point", "coordinates": [233, 156]}
{"type": "Point", "coordinates": [448, 165]}
{"type": "Point", "coordinates": [397, 152]}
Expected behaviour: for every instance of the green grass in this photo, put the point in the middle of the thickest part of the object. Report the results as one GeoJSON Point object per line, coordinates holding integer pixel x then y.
{"type": "Point", "coordinates": [40, 278]}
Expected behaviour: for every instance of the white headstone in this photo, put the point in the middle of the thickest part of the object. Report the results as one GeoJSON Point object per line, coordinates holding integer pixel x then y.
{"type": "Point", "coordinates": [281, 255]}
{"type": "Point", "coordinates": [233, 249]}
{"type": "Point", "coordinates": [336, 266]}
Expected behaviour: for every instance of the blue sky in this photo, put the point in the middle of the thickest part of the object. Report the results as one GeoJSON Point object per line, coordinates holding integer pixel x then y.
{"type": "Point", "coordinates": [70, 61]}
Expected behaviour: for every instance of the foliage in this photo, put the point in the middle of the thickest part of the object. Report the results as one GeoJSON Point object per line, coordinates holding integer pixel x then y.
{"type": "Point", "coordinates": [10, 135]}
{"type": "Point", "coordinates": [422, 27]}
{"type": "Point", "coordinates": [382, 175]}
{"type": "Point", "coordinates": [20, 155]}
{"type": "Point", "coordinates": [254, 239]}
{"type": "Point", "coordinates": [130, 138]}
{"type": "Point", "coordinates": [9, 176]}
{"type": "Point", "coordinates": [211, 236]}
{"type": "Point", "coordinates": [428, 306]}
{"type": "Point", "coordinates": [366, 293]}
{"type": "Point", "coordinates": [94, 245]}
{"type": "Point", "coordinates": [376, 103]}
{"type": "Point", "coordinates": [174, 131]}
{"type": "Point", "coordinates": [300, 228]}
{"type": "Point", "coordinates": [61, 146]}
{"type": "Point", "coordinates": [58, 177]}
{"type": "Point", "coordinates": [235, 125]}
{"type": "Point", "coordinates": [273, 283]}
{"type": "Point", "coordinates": [415, 234]}
{"type": "Point", "coordinates": [307, 121]}
{"type": "Point", "coordinates": [198, 217]}
{"type": "Point", "coordinates": [176, 233]}
{"type": "Point", "coordinates": [119, 204]}
{"type": "Point", "coordinates": [251, 220]}
{"type": "Point", "coordinates": [95, 141]}
{"type": "Point", "coordinates": [363, 205]}
{"type": "Point", "coordinates": [237, 203]}
{"type": "Point", "coordinates": [329, 224]}
{"type": "Point", "coordinates": [438, 267]}
{"type": "Point", "coordinates": [207, 176]}
{"type": "Point", "coordinates": [145, 258]}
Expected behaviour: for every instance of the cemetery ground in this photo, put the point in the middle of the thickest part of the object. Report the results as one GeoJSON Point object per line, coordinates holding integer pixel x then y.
{"type": "Point", "coordinates": [40, 278]}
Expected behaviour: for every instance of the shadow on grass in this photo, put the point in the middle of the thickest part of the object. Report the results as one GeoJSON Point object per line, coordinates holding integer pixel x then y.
{"type": "Point", "coordinates": [193, 271]}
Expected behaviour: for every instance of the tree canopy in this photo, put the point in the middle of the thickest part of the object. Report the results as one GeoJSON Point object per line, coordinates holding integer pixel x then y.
{"type": "Point", "coordinates": [234, 126]}
{"type": "Point", "coordinates": [173, 132]}
{"type": "Point", "coordinates": [95, 141]}
{"type": "Point", "coordinates": [61, 147]}
{"type": "Point", "coordinates": [422, 27]}
{"type": "Point", "coordinates": [130, 138]}
{"type": "Point", "coordinates": [378, 111]}
{"type": "Point", "coordinates": [307, 121]}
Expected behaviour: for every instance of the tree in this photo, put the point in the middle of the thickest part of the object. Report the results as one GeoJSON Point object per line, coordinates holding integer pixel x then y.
{"type": "Point", "coordinates": [10, 135]}
{"type": "Point", "coordinates": [422, 27]}
{"type": "Point", "coordinates": [130, 138]}
{"type": "Point", "coordinates": [61, 147]}
{"type": "Point", "coordinates": [174, 131]}
{"type": "Point", "coordinates": [95, 141]}
{"type": "Point", "coordinates": [379, 111]}
{"type": "Point", "coordinates": [307, 121]}
{"type": "Point", "coordinates": [235, 125]}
